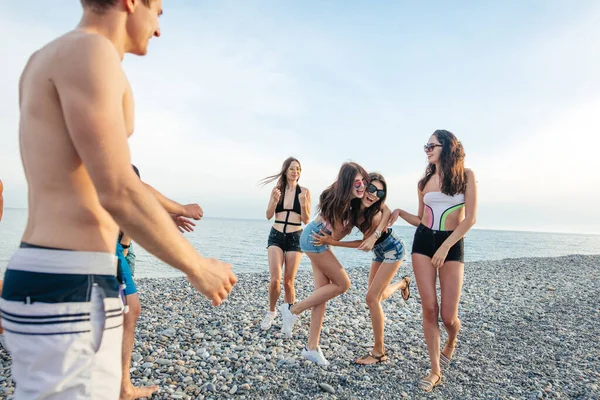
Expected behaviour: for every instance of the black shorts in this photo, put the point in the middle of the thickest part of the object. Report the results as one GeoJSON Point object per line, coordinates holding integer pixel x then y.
{"type": "Point", "coordinates": [285, 241]}
{"type": "Point", "coordinates": [428, 241]}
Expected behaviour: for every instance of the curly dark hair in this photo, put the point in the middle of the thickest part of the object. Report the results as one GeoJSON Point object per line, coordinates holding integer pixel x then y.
{"type": "Point", "coordinates": [452, 162]}
{"type": "Point", "coordinates": [335, 201]}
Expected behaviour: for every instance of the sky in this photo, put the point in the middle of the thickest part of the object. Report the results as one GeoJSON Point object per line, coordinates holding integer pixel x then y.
{"type": "Point", "coordinates": [231, 89]}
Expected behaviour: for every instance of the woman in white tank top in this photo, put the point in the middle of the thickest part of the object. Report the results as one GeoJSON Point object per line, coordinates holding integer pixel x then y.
{"type": "Point", "coordinates": [447, 210]}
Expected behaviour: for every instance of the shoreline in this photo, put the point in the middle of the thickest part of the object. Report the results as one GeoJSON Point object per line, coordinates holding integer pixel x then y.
{"type": "Point", "coordinates": [530, 330]}
{"type": "Point", "coordinates": [401, 225]}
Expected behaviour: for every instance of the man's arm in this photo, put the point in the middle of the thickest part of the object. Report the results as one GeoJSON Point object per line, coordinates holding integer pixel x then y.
{"type": "Point", "coordinates": [189, 210]}
{"type": "Point", "coordinates": [91, 94]}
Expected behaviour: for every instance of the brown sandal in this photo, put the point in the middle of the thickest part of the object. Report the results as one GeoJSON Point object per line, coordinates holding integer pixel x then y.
{"type": "Point", "coordinates": [379, 359]}
{"type": "Point", "coordinates": [406, 290]}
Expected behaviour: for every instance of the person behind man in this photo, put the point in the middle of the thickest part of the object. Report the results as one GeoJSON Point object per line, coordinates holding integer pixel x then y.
{"type": "Point", "coordinates": [125, 273]}
{"type": "Point", "coordinates": [180, 214]}
{"type": "Point", "coordinates": [76, 113]}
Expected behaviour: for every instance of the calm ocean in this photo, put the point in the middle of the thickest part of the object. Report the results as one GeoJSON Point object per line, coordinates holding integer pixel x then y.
{"type": "Point", "coordinates": [243, 244]}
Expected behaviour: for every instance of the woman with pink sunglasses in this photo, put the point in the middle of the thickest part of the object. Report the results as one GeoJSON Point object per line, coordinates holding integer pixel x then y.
{"type": "Point", "coordinates": [331, 279]}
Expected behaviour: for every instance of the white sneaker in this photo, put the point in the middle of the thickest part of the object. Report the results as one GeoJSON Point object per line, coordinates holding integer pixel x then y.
{"type": "Point", "coordinates": [315, 356]}
{"type": "Point", "coordinates": [288, 318]}
{"type": "Point", "coordinates": [268, 320]}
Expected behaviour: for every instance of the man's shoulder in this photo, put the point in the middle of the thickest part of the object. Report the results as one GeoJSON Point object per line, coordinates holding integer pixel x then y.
{"type": "Point", "coordinates": [85, 48]}
{"type": "Point", "coordinates": [81, 57]}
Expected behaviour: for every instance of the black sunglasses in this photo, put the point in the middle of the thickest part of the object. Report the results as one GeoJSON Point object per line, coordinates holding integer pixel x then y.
{"type": "Point", "coordinates": [373, 189]}
{"type": "Point", "coordinates": [431, 146]}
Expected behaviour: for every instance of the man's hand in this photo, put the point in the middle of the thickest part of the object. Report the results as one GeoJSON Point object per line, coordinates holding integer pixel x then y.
{"type": "Point", "coordinates": [193, 211]}
{"type": "Point", "coordinates": [215, 280]}
{"type": "Point", "coordinates": [183, 224]}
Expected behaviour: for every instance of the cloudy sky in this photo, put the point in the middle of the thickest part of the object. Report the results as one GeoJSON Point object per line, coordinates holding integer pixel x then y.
{"type": "Point", "coordinates": [233, 88]}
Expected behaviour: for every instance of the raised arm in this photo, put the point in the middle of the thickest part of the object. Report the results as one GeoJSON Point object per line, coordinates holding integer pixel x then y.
{"type": "Point", "coordinates": [305, 204]}
{"type": "Point", "coordinates": [91, 94]}
{"type": "Point", "coordinates": [191, 210]}
{"type": "Point", "coordinates": [461, 230]}
{"type": "Point", "coordinates": [273, 200]}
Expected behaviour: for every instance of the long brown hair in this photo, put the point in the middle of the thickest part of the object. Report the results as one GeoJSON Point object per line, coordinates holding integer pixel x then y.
{"type": "Point", "coordinates": [370, 212]}
{"type": "Point", "coordinates": [281, 176]}
{"type": "Point", "coordinates": [452, 162]}
{"type": "Point", "coordinates": [334, 202]}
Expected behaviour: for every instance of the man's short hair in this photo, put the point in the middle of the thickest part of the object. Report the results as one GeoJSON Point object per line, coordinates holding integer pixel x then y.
{"type": "Point", "coordinates": [101, 6]}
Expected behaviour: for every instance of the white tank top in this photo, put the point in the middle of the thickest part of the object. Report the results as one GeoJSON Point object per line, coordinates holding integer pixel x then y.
{"type": "Point", "coordinates": [440, 205]}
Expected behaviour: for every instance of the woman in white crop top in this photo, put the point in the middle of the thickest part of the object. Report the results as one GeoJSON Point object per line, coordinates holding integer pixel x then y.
{"type": "Point", "coordinates": [447, 210]}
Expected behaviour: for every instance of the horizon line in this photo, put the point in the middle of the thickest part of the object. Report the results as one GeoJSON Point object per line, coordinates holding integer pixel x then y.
{"type": "Point", "coordinates": [399, 225]}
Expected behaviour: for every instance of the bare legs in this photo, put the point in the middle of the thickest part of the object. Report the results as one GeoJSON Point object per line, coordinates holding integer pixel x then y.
{"type": "Point", "coordinates": [292, 261]}
{"type": "Point", "coordinates": [380, 289]}
{"type": "Point", "coordinates": [451, 278]}
{"type": "Point", "coordinates": [275, 265]}
{"type": "Point", "coordinates": [128, 391]}
{"type": "Point", "coordinates": [276, 262]}
{"type": "Point", "coordinates": [331, 280]}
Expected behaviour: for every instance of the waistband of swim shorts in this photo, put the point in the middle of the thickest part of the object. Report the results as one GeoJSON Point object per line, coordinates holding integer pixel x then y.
{"type": "Point", "coordinates": [63, 262]}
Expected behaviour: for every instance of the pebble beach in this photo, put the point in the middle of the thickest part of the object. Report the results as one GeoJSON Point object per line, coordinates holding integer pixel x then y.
{"type": "Point", "coordinates": [530, 330]}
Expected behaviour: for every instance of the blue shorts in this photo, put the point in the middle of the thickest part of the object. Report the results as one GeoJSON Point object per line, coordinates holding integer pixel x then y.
{"type": "Point", "coordinates": [391, 250]}
{"type": "Point", "coordinates": [306, 244]}
{"type": "Point", "coordinates": [124, 273]}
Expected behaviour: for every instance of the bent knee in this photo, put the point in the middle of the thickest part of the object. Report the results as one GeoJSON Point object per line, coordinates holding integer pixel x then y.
{"type": "Point", "coordinates": [288, 284]}
{"type": "Point", "coordinates": [372, 299]}
{"type": "Point", "coordinates": [449, 319]}
{"type": "Point", "coordinates": [344, 286]}
{"type": "Point", "coordinates": [275, 283]}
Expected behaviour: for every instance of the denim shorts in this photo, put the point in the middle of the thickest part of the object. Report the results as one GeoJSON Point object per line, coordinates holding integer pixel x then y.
{"type": "Point", "coordinates": [285, 241]}
{"type": "Point", "coordinates": [391, 250]}
{"type": "Point", "coordinates": [306, 243]}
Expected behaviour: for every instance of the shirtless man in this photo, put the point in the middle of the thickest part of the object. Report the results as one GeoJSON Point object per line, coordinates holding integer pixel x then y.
{"type": "Point", "coordinates": [76, 115]}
